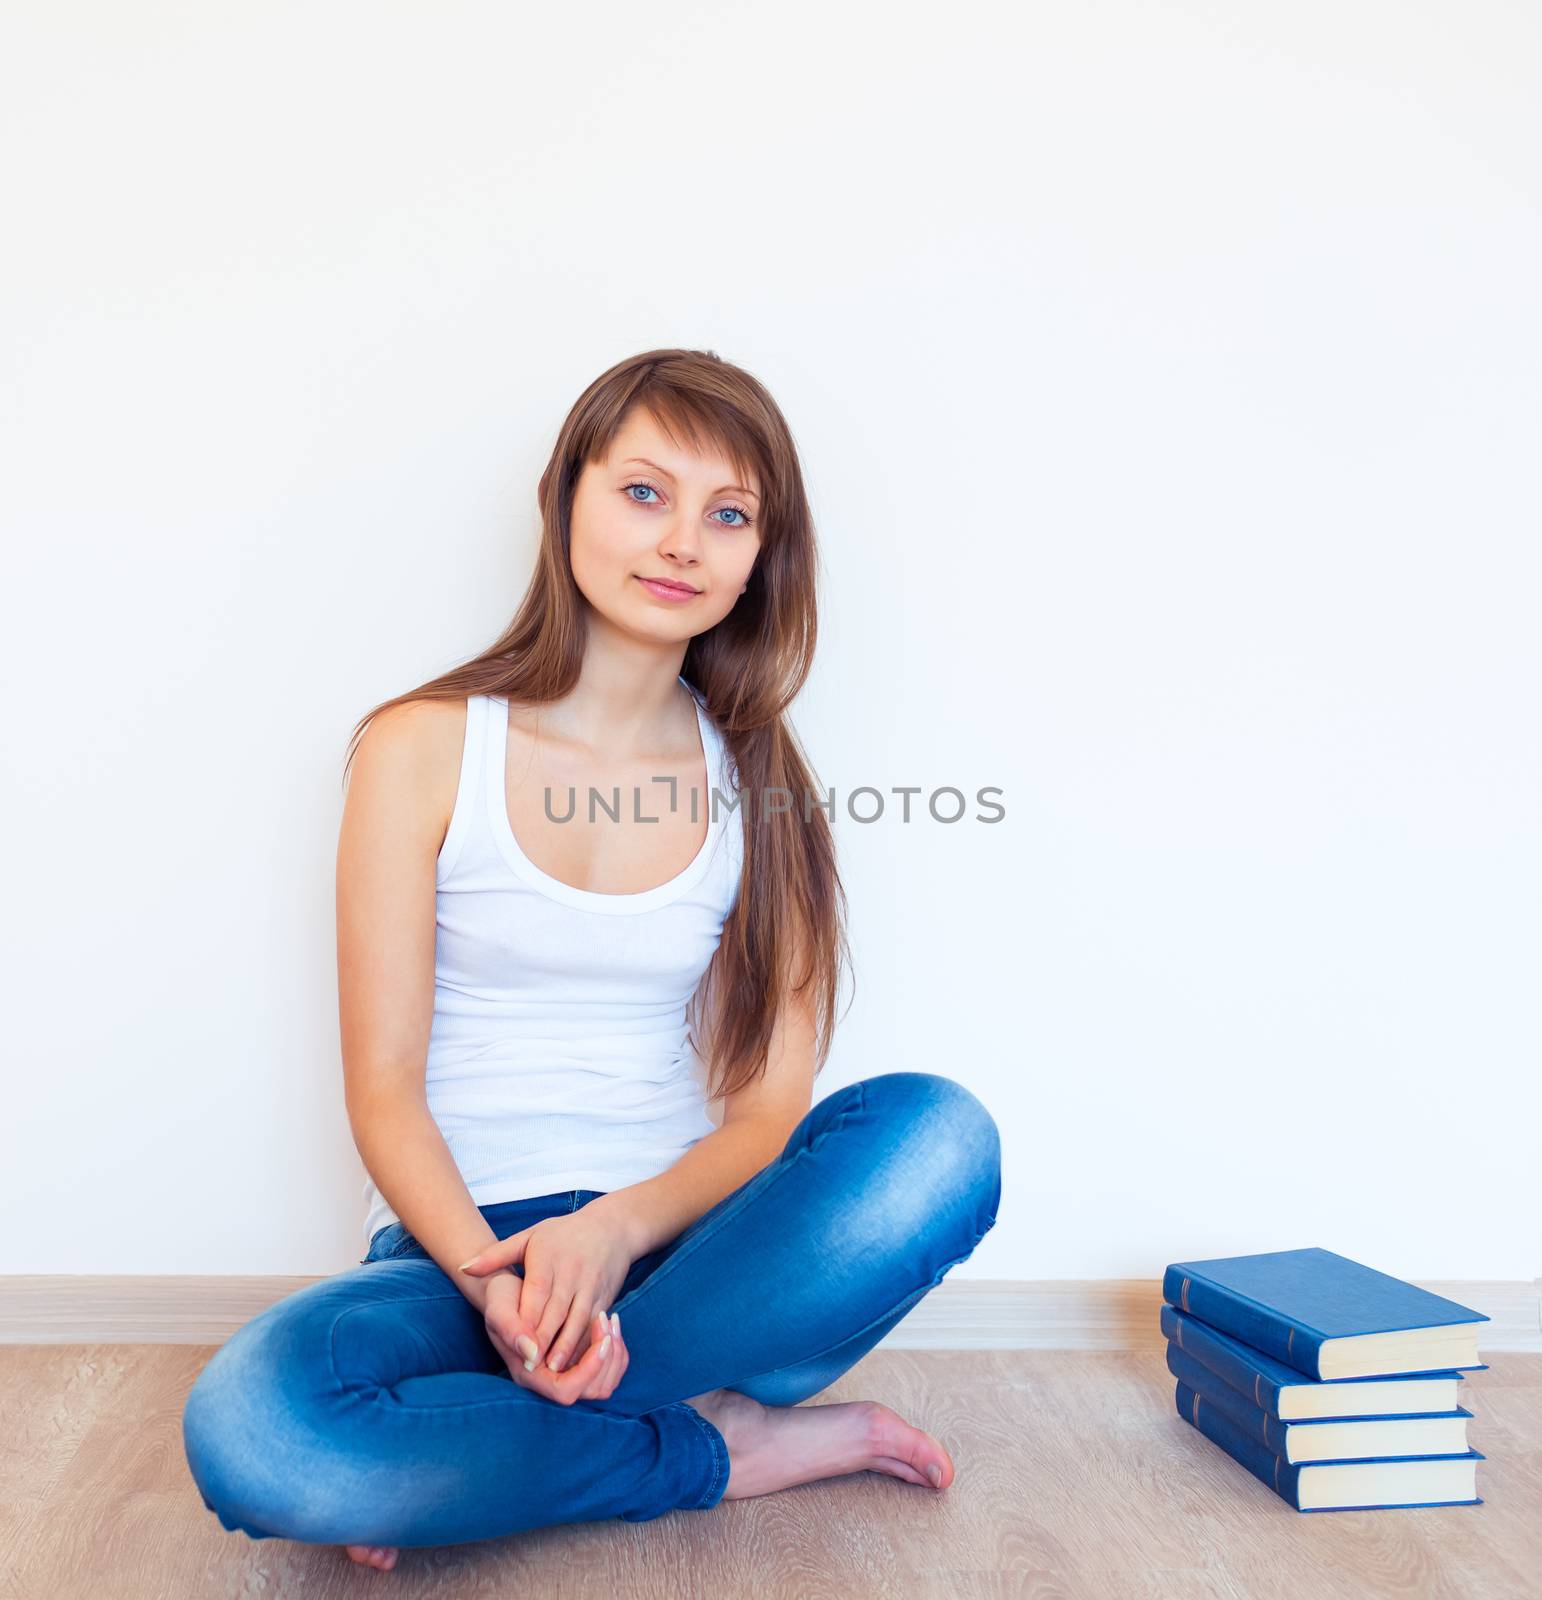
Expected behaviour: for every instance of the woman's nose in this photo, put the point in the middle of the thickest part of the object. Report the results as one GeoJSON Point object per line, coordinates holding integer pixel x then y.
{"type": "Point", "coordinates": [681, 543]}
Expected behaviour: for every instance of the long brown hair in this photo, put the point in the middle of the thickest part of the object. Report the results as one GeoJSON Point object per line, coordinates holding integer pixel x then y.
{"type": "Point", "coordinates": [791, 907]}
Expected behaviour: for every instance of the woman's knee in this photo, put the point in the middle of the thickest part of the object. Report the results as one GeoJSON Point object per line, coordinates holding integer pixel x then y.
{"type": "Point", "coordinates": [931, 1167]}
{"type": "Point", "coordinates": [220, 1434]}
{"type": "Point", "coordinates": [949, 1121]}
{"type": "Point", "coordinates": [250, 1428]}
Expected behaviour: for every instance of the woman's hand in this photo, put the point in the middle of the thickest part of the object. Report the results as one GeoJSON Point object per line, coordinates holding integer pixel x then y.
{"type": "Point", "coordinates": [573, 1265]}
{"type": "Point", "coordinates": [593, 1376]}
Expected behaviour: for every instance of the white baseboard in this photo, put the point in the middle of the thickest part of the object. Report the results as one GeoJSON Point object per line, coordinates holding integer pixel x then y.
{"type": "Point", "coordinates": [1124, 1314]}
{"type": "Point", "coordinates": [959, 1314]}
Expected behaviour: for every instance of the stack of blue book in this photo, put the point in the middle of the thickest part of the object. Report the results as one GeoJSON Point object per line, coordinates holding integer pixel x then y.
{"type": "Point", "coordinates": [1333, 1383]}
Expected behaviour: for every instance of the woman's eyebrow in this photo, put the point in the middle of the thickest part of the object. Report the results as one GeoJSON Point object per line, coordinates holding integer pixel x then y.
{"type": "Point", "coordinates": [728, 488]}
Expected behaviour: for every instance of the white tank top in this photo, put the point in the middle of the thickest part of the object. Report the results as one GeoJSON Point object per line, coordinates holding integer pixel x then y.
{"type": "Point", "coordinates": [557, 1056]}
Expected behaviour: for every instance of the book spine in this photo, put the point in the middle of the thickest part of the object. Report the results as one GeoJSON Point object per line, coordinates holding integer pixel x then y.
{"type": "Point", "coordinates": [1258, 1425]}
{"type": "Point", "coordinates": [1281, 1476]}
{"type": "Point", "coordinates": [1245, 1319]}
{"type": "Point", "coordinates": [1193, 1341]}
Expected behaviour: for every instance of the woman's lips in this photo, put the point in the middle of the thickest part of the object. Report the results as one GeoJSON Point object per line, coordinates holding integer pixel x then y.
{"type": "Point", "coordinates": [666, 591]}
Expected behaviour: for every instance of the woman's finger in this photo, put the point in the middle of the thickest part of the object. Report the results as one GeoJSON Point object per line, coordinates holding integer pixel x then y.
{"type": "Point", "coordinates": [605, 1382]}
{"type": "Point", "coordinates": [535, 1296]}
{"type": "Point", "coordinates": [574, 1384]}
{"type": "Point", "coordinates": [585, 1360]}
{"type": "Point", "coordinates": [512, 1342]}
{"type": "Point", "coordinates": [556, 1313]}
{"type": "Point", "coordinates": [495, 1257]}
{"type": "Point", "coordinates": [615, 1360]}
{"type": "Point", "coordinates": [580, 1315]}
{"type": "Point", "coordinates": [512, 1357]}
{"type": "Point", "coordinates": [589, 1361]}
{"type": "Point", "coordinates": [615, 1363]}
{"type": "Point", "coordinates": [620, 1357]}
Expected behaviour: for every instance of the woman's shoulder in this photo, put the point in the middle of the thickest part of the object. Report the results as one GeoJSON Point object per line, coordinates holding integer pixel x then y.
{"type": "Point", "coordinates": [416, 726]}
{"type": "Point", "coordinates": [413, 750]}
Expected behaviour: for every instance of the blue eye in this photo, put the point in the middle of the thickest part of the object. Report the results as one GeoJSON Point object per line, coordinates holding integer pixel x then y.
{"type": "Point", "coordinates": [745, 521]}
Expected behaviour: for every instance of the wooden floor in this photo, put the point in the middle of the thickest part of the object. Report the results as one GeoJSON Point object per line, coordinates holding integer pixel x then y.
{"type": "Point", "coordinates": [1075, 1478]}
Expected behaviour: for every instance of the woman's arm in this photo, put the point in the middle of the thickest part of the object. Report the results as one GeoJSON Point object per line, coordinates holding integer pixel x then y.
{"type": "Point", "coordinates": [757, 1122]}
{"type": "Point", "coordinates": [401, 792]}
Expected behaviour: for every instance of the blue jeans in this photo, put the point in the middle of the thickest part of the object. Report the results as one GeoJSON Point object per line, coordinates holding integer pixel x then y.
{"type": "Point", "coordinates": [371, 1407]}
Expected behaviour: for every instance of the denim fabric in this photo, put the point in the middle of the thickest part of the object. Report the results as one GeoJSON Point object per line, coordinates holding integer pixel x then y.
{"type": "Point", "coordinates": [371, 1407]}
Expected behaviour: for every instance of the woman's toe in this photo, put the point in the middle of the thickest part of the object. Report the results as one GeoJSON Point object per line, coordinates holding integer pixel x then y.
{"type": "Point", "coordinates": [900, 1469]}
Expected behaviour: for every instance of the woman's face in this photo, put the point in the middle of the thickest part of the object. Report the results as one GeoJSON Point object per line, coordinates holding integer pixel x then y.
{"type": "Point", "coordinates": [650, 511]}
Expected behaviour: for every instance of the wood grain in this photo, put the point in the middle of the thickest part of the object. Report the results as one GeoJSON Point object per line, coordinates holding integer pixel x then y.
{"type": "Point", "coordinates": [1076, 1479]}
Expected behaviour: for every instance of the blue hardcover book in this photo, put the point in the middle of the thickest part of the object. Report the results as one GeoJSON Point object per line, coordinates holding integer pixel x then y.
{"type": "Point", "coordinates": [1338, 1485]}
{"type": "Point", "coordinates": [1291, 1395]}
{"type": "Point", "coordinates": [1439, 1433]}
{"type": "Point", "coordinates": [1325, 1315]}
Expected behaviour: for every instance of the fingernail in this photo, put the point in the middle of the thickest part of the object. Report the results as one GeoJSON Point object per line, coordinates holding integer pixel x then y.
{"type": "Point", "coordinates": [615, 1322]}
{"type": "Point", "coordinates": [556, 1362]}
{"type": "Point", "coordinates": [465, 1266]}
{"type": "Point", "coordinates": [934, 1472]}
{"type": "Point", "coordinates": [605, 1344]}
{"type": "Point", "coordinates": [527, 1348]}
{"type": "Point", "coordinates": [530, 1366]}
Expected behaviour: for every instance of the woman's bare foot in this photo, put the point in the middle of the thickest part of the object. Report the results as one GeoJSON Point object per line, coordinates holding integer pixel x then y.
{"type": "Point", "coordinates": [775, 1447]}
{"type": "Point", "coordinates": [382, 1556]}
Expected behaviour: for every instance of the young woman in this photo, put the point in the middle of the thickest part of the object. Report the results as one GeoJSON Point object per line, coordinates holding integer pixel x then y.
{"type": "Point", "coordinates": [585, 892]}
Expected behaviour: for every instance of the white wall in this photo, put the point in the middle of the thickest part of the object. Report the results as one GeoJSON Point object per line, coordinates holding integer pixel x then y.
{"type": "Point", "coordinates": [1167, 384]}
